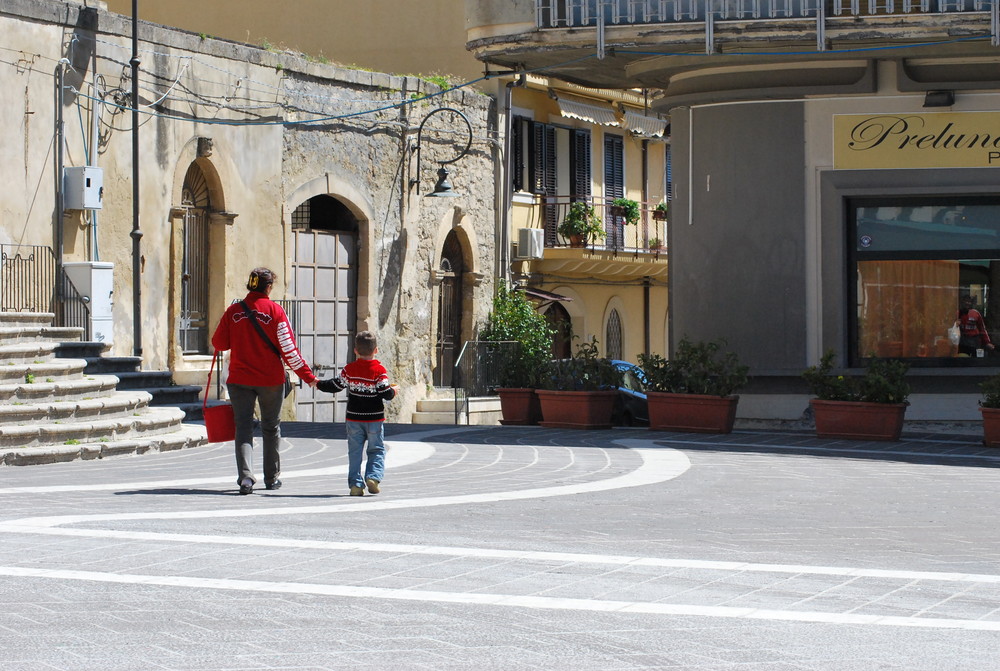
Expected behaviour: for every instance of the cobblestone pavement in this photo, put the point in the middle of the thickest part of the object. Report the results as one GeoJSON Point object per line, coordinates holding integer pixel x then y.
{"type": "Point", "coordinates": [512, 548]}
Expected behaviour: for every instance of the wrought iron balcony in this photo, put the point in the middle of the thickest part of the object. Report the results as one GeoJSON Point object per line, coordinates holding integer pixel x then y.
{"type": "Point", "coordinates": [647, 236]}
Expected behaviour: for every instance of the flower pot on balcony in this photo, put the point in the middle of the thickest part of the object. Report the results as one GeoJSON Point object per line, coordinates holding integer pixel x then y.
{"type": "Point", "coordinates": [576, 409]}
{"type": "Point", "coordinates": [858, 420]}
{"type": "Point", "coordinates": [577, 241]}
{"type": "Point", "coordinates": [697, 413]}
{"type": "Point", "coordinates": [519, 406]}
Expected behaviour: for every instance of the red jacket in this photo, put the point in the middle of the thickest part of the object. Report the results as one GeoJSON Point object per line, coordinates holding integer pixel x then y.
{"type": "Point", "coordinates": [973, 326]}
{"type": "Point", "coordinates": [252, 362]}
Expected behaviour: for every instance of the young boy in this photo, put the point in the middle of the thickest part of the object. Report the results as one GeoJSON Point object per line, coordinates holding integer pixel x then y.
{"type": "Point", "coordinates": [367, 385]}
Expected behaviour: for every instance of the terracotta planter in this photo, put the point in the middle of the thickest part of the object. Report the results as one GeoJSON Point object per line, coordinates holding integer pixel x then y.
{"type": "Point", "coordinates": [991, 426]}
{"type": "Point", "coordinates": [691, 412]}
{"type": "Point", "coordinates": [858, 421]}
{"type": "Point", "coordinates": [577, 409]}
{"type": "Point", "coordinates": [577, 241]}
{"type": "Point", "coordinates": [659, 215]}
{"type": "Point", "coordinates": [519, 406]}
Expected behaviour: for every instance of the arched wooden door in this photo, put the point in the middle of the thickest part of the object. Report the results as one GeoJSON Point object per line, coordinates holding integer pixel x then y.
{"type": "Point", "coordinates": [449, 324]}
{"type": "Point", "coordinates": [324, 284]}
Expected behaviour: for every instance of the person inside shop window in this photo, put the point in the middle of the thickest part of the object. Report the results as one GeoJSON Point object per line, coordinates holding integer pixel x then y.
{"type": "Point", "coordinates": [972, 327]}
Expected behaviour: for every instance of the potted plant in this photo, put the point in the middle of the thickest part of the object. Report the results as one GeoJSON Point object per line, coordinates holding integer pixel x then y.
{"type": "Point", "coordinates": [989, 406]}
{"type": "Point", "coordinates": [694, 390]}
{"type": "Point", "coordinates": [626, 208]}
{"type": "Point", "coordinates": [869, 407]}
{"type": "Point", "coordinates": [661, 210]}
{"type": "Point", "coordinates": [523, 341]}
{"type": "Point", "coordinates": [579, 393]}
{"type": "Point", "coordinates": [580, 224]}
{"type": "Point", "coordinates": [656, 244]}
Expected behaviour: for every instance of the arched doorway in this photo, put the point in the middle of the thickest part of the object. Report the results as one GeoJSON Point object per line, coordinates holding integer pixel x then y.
{"type": "Point", "coordinates": [324, 287]}
{"type": "Point", "coordinates": [560, 321]}
{"type": "Point", "coordinates": [193, 314]}
{"type": "Point", "coordinates": [449, 322]}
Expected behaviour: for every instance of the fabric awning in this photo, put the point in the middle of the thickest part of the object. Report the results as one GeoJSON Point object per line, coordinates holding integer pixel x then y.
{"type": "Point", "coordinates": [641, 124]}
{"type": "Point", "coordinates": [543, 295]}
{"type": "Point", "coordinates": [602, 115]}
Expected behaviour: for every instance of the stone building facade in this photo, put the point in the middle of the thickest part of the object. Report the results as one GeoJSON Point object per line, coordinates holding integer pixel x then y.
{"type": "Point", "coordinates": [247, 157]}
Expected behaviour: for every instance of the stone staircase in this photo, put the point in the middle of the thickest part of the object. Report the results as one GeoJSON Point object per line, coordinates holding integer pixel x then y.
{"type": "Point", "coordinates": [51, 409]}
{"type": "Point", "coordinates": [439, 408]}
{"type": "Point", "coordinates": [159, 383]}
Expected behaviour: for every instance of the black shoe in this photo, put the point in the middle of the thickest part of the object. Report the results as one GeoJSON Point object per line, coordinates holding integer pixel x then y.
{"type": "Point", "coordinates": [273, 485]}
{"type": "Point", "coordinates": [246, 487]}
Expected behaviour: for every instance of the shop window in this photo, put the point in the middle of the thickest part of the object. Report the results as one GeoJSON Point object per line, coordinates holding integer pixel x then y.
{"type": "Point", "coordinates": [914, 261]}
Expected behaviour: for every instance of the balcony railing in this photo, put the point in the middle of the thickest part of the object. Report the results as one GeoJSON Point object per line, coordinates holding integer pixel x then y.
{"type": "Point", "coordinates": [648, 235]}
{"type": "Point", "coordinates": [584, 13]}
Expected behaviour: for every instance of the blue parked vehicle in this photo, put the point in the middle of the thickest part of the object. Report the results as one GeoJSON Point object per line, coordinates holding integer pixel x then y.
{"type": "Point", "coordinates": [631, 407]}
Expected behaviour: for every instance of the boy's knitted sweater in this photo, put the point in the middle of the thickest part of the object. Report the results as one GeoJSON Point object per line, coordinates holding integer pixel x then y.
{"type": "Point", "coordinates": [367, 385]}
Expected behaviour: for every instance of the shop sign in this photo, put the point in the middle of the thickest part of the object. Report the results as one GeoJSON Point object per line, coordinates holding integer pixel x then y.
{"type": "Point", "coordinates": [934, 140]}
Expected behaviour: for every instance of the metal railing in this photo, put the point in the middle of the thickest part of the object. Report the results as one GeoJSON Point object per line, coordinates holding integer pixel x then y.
{"type": "Point", "coordinates": [29, 282]}
{"type": "Point", "coordinates": [649, 234]}
{"type": "Point", "coordinates": [600, 13]}
{"type": "Point", "coordinates": [479, 371]}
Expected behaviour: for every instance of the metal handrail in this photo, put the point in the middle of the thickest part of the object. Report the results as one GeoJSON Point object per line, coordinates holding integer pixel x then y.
{"type": "Point", "coordinates": [478, 371]}
{"type": "Point", "coordinates": [30, 281]}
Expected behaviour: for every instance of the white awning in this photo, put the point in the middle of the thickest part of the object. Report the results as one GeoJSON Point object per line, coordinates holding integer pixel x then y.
{"type": "Point", "coordinates": [644, 125]}
{"type": "Point", "coordinates": [597, 114]}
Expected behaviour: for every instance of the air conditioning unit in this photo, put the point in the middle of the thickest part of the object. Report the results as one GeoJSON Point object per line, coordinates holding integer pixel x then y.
{"type": "Point", "coordinates": [530, 243]}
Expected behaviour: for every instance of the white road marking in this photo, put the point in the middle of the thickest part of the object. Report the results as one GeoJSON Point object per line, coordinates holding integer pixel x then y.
{"type": "Point", "coordinates": [401, 454]}
{"type": "Point", "coordinates": [658, 465]}
{"type": "Point", "coordinates": [508, 600]}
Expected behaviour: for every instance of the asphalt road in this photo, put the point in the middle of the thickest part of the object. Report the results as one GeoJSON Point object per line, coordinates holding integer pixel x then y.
{"type": "Point", "coordinates": [512, 548]}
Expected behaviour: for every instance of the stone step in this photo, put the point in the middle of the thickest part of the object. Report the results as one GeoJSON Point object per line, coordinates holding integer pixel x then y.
{"type": "Point", "coordinates": [57, 334]}
{"type": "Point", "coordinates": [84, 349]}
{"type": "Point", "coordinates": [20, 353]}
{"type": "Point", "coordinates": [115, 405]}
{"type": "Point", "coordinates": [483, 411]}
{"type": "Point", "coordinates": [90, 386]}
{"type": "Point", "coordinates": [26, 319]}
{"type": "Point", "coordinates": [146, 422]}
{"type": "Point", "coordinates": [175, 395]}
{"type": "Point", "coordinates": [144, 379]}
{"type": "Point", "coordinates": [55, 370]}
{"type": "Point", "coordinates": [185, 436]}
{"type": "Point", "coordinates": [118, 365]}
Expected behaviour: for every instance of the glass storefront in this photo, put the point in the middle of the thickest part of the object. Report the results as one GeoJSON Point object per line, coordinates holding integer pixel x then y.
{"type": "Point", "coordinates": [915, 262]}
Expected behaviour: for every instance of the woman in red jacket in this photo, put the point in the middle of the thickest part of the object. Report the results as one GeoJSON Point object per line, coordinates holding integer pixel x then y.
{"type": "Point", "coordinates": [972, 328]}
{"type": "Point", "coordinates": [257, 332]}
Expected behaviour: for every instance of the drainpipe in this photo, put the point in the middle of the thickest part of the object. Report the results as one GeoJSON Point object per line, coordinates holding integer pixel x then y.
{"type": "Point", "coordinates": [60, 159]}
{"type": "Point", "coordinates": [136, 231]}
{"type": "Point", "coordinates": [506, 188]}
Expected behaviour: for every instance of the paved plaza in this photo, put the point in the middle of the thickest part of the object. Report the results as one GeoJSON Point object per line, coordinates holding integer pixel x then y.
{"type": "Point", "coordinates": [512, 548]}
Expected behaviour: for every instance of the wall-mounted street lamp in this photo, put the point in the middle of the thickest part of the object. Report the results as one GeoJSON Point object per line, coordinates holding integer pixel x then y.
{"type": "Point", "coordinates": [461, 124]}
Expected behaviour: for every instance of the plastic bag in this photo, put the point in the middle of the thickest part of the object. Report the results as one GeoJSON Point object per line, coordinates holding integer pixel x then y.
{"type": "Point", "coordinates": [954, 334]}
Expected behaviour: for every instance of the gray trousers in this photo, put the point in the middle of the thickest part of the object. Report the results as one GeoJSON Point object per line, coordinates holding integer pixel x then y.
{"type": "Point", "coordinates": [244, 398]}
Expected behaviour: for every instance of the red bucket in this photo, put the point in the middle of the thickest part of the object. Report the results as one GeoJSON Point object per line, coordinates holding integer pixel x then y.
{"type": "Point", "coordinates": [219, 423]}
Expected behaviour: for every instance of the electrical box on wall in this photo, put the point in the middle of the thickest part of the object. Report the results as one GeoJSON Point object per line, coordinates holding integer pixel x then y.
{"type": "Point", "coordinates": [83, 188]}
{"type": "Point", "coordinates": [530, 243]}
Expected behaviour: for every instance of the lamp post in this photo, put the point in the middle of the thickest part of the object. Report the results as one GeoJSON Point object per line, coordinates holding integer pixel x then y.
{"type": "Point", "coordinates": [136, 231]}
{"type": "Point", "coordinates": [443, 187]}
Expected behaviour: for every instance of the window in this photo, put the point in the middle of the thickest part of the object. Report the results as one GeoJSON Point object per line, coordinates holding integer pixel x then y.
{"type": "Point", "coordinates": [553, 162]}
{"type": "Point", "coordinates": [913, 260]}
{"type": "Point", "coordinates": [614, 336]}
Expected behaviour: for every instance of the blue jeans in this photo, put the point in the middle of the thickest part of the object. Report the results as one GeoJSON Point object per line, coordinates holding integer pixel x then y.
{"type": "Point", "coordinates": [358, 433]}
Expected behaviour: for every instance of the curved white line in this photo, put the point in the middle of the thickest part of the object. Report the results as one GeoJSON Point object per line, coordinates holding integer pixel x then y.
{"type": "Point", "coordinates": [658, 465]}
